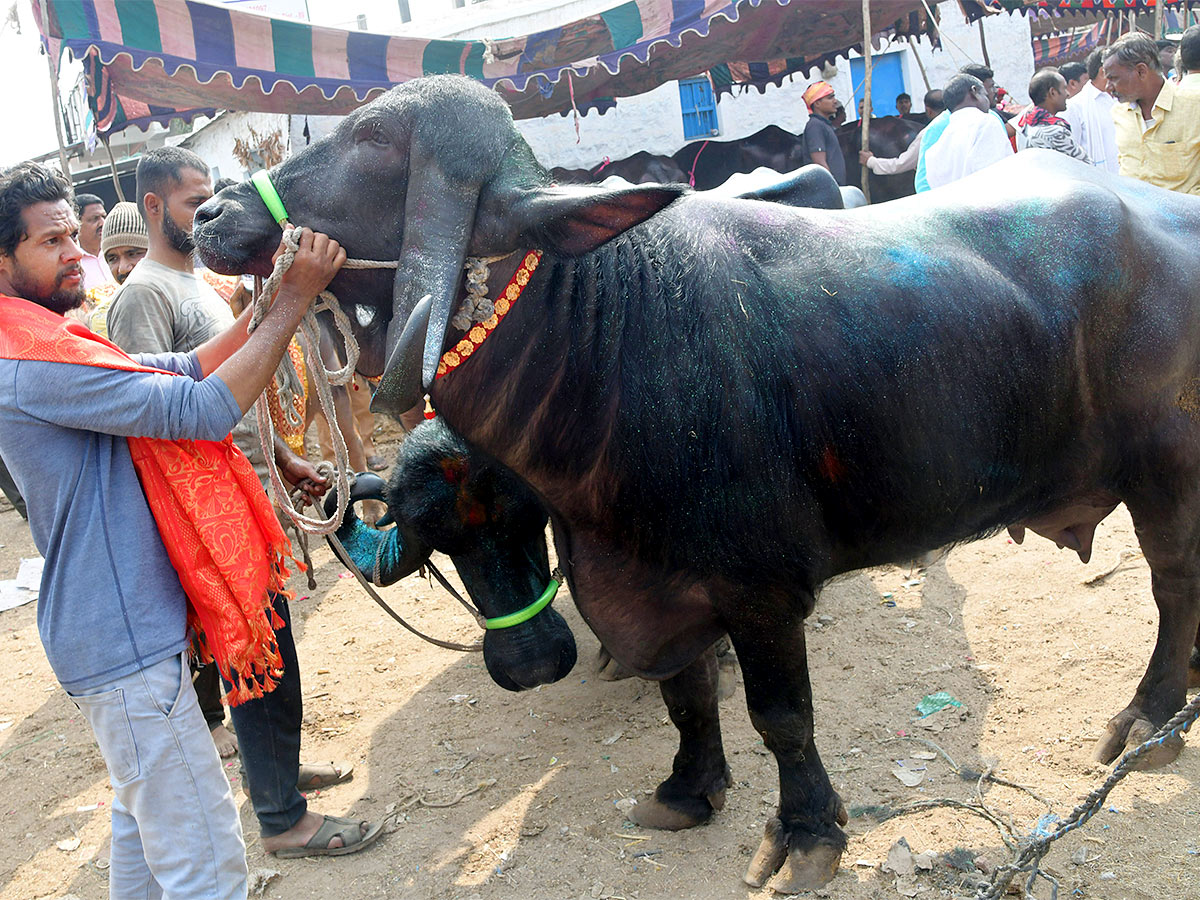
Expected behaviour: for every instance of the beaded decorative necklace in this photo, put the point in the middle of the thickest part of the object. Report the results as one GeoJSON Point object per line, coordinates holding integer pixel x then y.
{"type": "Point", "coordinates": [478, 333]}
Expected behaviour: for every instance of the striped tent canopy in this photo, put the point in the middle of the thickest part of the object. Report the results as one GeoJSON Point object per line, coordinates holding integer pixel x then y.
{"type": "Point", "coordinates": [975, 9]}
{"type": "Point", "coordinates": [152, 60]}
{"type": "Point", "coordinates": [1050, 49]}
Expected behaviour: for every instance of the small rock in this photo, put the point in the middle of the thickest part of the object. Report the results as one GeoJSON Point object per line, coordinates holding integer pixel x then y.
{"type": "Point", "coordinates": [1108, 876]}
{"type": "Point", "coordinates": [1080, 856]}
{"type": "Point", "coordinates": [825, 619]}
{"type": "Point", "coordinates": [69, 845]}
{"type": "Point", "coordinates": [900, 859]}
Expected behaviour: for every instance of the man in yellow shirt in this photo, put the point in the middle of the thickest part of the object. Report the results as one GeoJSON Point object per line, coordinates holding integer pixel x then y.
{"type": "Point", "coordinates": [1158, 127]}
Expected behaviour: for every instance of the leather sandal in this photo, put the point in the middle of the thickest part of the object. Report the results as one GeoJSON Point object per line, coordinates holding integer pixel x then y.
{"type": "Point", "coordinates": [317, 776]}
{"type": "Point", "coordinates": [349, 830]}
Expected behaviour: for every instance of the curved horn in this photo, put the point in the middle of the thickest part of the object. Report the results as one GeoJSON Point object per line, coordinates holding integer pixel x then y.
{"type": "Point", "coordinates": [439, 215]}
{"type": "Point", "coordinates": [382, 556]}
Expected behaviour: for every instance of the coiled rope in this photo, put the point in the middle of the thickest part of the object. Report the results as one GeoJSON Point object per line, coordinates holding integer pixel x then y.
{"type": "Point", "coordinates": [1029, 860]}
{"type": "Point", "coordinates": [310, 341]}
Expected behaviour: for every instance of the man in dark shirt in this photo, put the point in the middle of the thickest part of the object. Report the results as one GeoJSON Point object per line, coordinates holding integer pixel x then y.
{"type": "Point", "coordinates": [820, 140]}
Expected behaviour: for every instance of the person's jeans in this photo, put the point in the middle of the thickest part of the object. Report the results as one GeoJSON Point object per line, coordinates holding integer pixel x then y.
{"type": "Point", "coordinates": [268, 733]}
{"type": "Point", "coordinates": [175, 830]}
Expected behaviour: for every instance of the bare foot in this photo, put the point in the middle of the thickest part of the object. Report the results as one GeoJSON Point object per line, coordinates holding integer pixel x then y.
{"type": "Point", "coordinates": [301, 833]}
{"type": "Point", "coordinates": [225, 740]}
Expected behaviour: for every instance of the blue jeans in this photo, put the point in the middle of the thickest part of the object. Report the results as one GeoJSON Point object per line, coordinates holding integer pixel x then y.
{"type": "Point", "coordinates": [268, 733]}
{"type": "Point", "coordinates": [176, 832]}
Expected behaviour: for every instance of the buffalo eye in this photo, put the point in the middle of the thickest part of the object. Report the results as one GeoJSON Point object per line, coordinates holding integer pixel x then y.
{"type": "Point", "coordinates": [372, 132]}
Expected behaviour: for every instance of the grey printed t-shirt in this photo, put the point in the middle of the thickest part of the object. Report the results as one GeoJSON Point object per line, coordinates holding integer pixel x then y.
{"type": "Point", "coordinates": [162, 310]}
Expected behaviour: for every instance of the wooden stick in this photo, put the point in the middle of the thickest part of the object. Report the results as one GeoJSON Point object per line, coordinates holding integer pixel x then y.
{"type": "Point", "coordinates": [920, 65]}
{"type": "Point", "coordinates": [866, 116]}
{"type": "Point", "coordinates": [983, 45]}
{"type": "Point", "coordinates": [58, 128]}
{"type": "Point", "coordinates": [1158, 20]}
{"type": "Point", "coordinates": [112, 166]}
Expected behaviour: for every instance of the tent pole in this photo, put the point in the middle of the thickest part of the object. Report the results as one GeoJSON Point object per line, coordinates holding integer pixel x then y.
{"type": "Point", "coordinates": [983, 45]}
{"type": "Point", "coordinates": [58, 129]}
{"type": "Point", "coordinates": [920, 65]}
{"type": "Point", "coordinates": [112, 166]}
{"type": "Point", "coordinates": [866, 115]}
{"type": "Point", "coordinates": [1158, 19]}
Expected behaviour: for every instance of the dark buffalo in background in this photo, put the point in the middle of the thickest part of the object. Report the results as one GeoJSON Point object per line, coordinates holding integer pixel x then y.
{"type": "Point", "coordinates": [711, 163]}
{"type": "Point", "coordinates": [724, 403]}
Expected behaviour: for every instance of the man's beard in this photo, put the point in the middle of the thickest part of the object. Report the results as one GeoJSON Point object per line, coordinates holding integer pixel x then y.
{"type": "Point", "coordinates": [179, 239]}
{"type": "Point", "coordinates": [61, 300]}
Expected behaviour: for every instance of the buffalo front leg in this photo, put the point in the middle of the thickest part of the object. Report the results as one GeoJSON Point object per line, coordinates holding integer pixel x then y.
{"type": "Point", "coordinates": [700, 775]}
{"type": "Point", "coordinates": [803, 844]}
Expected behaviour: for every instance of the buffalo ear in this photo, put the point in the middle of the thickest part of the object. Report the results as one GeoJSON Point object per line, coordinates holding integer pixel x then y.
{"type": "Point", "coordinates": [572, 220]}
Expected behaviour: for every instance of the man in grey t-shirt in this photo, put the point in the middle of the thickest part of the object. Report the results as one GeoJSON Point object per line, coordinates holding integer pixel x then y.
{"type": "Point", "coordinates": [164, 305]}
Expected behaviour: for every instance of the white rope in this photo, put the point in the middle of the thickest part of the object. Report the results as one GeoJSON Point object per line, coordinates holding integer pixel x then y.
{"type": "Point", "coordinates": [310, 341]}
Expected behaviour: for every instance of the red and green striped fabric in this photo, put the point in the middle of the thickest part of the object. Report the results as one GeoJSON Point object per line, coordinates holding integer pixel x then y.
{"type": "Point", "coordinates": [147, 56]}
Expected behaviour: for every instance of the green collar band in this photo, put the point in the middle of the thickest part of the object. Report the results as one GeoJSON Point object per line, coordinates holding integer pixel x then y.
{"type": "Point", "coordinates": [524, 615]}
{"type": "Point", "coordinates": [262, 182]}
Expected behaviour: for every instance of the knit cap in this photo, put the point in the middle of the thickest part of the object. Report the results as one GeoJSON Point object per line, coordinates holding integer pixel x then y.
{"type": "Point", "coordinates": [124, 227]}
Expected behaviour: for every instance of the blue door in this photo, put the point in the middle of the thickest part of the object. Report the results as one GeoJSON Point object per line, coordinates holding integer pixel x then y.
{"type": "Point", "coordinates": [699, 108]}
{"type": "Point", "coordinates": [887, 80]}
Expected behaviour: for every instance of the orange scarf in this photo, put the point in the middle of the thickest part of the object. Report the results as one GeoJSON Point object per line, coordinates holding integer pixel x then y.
{"type": "Point", "coordinates": [213, 516]}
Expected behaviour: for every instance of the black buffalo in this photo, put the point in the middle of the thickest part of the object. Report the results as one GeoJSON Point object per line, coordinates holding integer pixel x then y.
{"type": "Point", "coordinates": [444, 496]}
{"type": "Point", "coordinates": [724, 403]}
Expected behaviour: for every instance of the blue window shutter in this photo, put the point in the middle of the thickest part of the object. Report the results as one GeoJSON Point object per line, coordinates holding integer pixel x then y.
{"type": "Point", "coordinates": [699, 108]}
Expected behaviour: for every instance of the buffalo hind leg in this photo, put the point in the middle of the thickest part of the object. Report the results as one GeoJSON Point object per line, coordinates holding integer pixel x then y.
{"type": "Point", "coordinates": [699, 775]}
{"type": "Point", "coordinates": [803, 844]}
{"type": "Point", "coordinates": [1167, 523]}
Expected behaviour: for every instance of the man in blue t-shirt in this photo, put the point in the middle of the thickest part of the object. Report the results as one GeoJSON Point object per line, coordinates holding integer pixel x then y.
{"type": "Point", "coordinates": [112, 611]}
{"type": "Point", "coordinates": [820, 140]}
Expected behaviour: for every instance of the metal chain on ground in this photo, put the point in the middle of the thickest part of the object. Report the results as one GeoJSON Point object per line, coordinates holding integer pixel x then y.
{"type": "Point", "coordinates": [310, 338]}
{"type": "Point", "coordinates": [1030, 858]}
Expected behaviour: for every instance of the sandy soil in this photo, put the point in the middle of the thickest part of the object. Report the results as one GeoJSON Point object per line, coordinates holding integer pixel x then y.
{"type": "Point", "coordinates": [499, 795]}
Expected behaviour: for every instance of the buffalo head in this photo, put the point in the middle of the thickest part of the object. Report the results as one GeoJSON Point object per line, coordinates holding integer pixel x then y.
{"type": "Point", "coordinates": [430, 173]}
{"type": "Point", "coordinates": [445, 496]}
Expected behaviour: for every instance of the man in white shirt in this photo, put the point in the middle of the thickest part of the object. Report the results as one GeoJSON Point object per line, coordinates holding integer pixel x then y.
{"type": "Point", "coordinates": [1090, 115]}
{"type": "Point", "coordinates": [973, 139]}
{"type": "Point", "coordinates": [91, 225]}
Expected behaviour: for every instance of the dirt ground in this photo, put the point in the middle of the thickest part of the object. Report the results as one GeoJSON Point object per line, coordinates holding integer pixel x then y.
{"type": "Point", "coordinates": [499, 795]}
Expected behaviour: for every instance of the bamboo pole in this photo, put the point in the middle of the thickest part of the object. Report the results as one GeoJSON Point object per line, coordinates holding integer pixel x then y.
{"type": "Point", "coordinates": [920, 65]}
{"type": "Point", "coordinates": [983, 45]}
{"type": "Point", "coordinates": [1158, 20]}
{"type": "Point", "coordinates": [866, 116]}
{"type": "Point", "coordinates": [58, 128]}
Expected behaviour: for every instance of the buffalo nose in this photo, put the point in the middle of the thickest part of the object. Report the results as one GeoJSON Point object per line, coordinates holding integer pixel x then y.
{"type": "Point", "coordinates": [208, 211]}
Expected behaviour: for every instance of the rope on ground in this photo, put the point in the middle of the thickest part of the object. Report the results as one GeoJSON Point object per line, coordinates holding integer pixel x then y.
{"type": "Point", "coordinates": [310, 339]}
{"type": "Point", "coordinates": [1029, 860]}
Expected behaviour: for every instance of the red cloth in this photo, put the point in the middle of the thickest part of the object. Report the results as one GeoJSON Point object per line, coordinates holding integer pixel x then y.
{"type": "Point", "coordinates": [213, 516]}
{"type": "Point", "coordinates": [1035, 115]}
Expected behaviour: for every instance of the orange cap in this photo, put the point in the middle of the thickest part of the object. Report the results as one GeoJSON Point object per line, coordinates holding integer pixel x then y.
{"type": "Point", "coordinates": [816, 91]}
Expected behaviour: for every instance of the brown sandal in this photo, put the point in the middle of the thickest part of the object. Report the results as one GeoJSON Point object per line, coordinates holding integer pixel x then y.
{"type": "Point", "coordinates": [349, 830]}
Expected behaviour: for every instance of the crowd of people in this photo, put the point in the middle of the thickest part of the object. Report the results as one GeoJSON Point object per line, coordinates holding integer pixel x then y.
{"type": "Point", "coordinates": [1133, 108]}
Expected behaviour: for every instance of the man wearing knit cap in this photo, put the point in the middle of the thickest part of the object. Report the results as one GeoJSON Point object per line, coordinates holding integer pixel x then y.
{"type": "Point", "coordinates": [122, 243]}
{"type": "Point", "coordinates": [820, 140]}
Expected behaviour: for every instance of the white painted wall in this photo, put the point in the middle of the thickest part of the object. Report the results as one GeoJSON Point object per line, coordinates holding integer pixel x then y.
{"type": "Point", "coordinates": [213, 142]}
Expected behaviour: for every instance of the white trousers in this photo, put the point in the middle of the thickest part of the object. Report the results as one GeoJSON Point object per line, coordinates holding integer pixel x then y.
{"type": "Point", "coordinates": [176, 831]}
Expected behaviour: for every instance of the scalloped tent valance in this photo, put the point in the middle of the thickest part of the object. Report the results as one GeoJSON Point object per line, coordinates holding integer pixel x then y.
{"type": "Point", "coordinates": [153, 60]}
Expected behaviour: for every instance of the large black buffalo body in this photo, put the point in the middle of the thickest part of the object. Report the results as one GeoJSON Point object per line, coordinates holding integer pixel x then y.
{"type": "Point", "coordinates": [724, 403]}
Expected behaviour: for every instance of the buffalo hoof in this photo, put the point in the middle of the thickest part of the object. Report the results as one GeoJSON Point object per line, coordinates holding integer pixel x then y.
{"type": "Point", "coordinates": [1194, 668]}
{"type": "Point", "coordinates": [1126, 731]}
{"type": "Point", "coordinates": [800, 862]}
{"type": "Point", "coordinates": [676, 815]}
